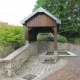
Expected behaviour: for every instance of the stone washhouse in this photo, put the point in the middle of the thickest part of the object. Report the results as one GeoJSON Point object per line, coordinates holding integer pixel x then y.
{"type": "Point", "coordinates": [41, 21]}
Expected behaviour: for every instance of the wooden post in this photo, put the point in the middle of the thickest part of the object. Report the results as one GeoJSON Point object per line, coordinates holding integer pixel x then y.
{"type": "Point", "coordinates": [55, 38]}
{"type": "Point", "coordinates": [55, 44]}
{"type": "Point", "coordinates": [27, 36]}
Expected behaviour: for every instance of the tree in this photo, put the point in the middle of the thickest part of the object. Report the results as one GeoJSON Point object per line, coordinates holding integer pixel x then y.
{"type": "Point", "coordinates": [67, 11]}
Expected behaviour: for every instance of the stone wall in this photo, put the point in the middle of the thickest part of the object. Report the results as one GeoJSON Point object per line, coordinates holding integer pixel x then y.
{"type": "Point", "coordinates": [49, 46]}
{"type": "Point", "coordinates": [15, 60]}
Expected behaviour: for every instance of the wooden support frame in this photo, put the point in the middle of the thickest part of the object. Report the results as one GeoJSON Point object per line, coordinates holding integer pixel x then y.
{"type": "Point", "coordinates": [55, 38]}
{"type": "Point", "coordinates": [27, 33]}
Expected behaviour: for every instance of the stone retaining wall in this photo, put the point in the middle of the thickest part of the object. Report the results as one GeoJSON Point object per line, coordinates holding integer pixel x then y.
{"type": "Point", "coordinates": [15, 60]}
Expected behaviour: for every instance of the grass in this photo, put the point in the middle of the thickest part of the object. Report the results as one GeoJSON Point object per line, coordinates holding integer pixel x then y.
{"type": "Point", "coordinates": [74, 40]}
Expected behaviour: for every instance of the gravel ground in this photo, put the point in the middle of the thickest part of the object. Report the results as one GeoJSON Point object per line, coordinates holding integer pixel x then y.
{"type": "Point", "coordinates": [71, 71]}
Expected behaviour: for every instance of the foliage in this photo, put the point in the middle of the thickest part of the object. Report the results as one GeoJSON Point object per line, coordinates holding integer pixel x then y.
{"type": "Point", "coordinates": [62, 39]}
{"type": "Point", "coordinates": [44, 36]}
{"type": "Point", "coordinates": [13, 35]}
{"type": "Point", "coordinates": [68, 11]}
{"type": "Point", "coordinates": [74, 40]}
{"type": "Point", "coordinates": [50, 37]}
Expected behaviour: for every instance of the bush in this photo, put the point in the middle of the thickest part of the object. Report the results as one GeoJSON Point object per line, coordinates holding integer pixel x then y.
{"type": "Point", "coordinates": [45, 36]}
{"type": "Point", "coordinates": [62, 39]}
{"type": "Point", "coordinates": [49, 36]}
{"type": "Point", "coordinates": [12, 35]}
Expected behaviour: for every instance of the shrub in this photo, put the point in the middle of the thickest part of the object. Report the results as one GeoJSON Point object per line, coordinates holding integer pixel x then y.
{"type": "Point", "coordinates": [62, 39]}
{"type": "Point", "coordinates": [13, 35]}
{"type": "Point", "coordinates": [45, 36]}
{"type": "Point", "coordinates": [49, 36]}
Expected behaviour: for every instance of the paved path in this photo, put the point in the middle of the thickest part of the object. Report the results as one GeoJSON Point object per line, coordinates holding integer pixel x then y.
{"type": "Point", "coordinates": [71, 71]}
{"type": "Point", "coordinates": [62, 70]}
{"type": "Point", "coordinates": [34, 67]}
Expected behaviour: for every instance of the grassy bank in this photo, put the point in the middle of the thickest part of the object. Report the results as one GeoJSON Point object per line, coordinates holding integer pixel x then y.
{"type": "Point", "coordinates": [74, 40]}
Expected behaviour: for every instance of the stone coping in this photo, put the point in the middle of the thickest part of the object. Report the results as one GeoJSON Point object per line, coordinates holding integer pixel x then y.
{"type": "Point", "coordinates": [71, 54]}
{"type": "Point", "coordinates": [14, 54]}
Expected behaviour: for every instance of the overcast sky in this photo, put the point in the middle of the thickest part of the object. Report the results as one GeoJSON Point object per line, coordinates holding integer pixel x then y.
{"type": "Point", "coordinates": [13, 11]}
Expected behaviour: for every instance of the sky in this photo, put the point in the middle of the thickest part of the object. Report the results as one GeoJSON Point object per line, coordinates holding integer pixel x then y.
{"type": "Point", "coordinates": [13, 11]}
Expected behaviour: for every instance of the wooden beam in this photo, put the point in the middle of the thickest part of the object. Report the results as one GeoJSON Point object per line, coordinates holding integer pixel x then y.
{"type": "Point", "coordinates": [55, 38]}
{"type": "Point", "coordinates": [29, 28]}
{"type": "Point", "coordinates": [27, 34]}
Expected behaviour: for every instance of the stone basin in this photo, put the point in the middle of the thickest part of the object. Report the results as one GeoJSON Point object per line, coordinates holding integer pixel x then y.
{"type": "Point", "coordinates": [49, 56]}
{"type": "Point", "coordinates": [59, 53]}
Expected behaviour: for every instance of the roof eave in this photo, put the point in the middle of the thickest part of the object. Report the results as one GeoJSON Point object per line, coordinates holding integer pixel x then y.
{"type": "Point", "coordinates": [40, 10]}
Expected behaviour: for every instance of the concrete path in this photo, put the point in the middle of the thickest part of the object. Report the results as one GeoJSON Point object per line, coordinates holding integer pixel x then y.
{"type": "Point", "coordinates": [34, 67]}
{"type": "Point", "coordinates": [71, 71]}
